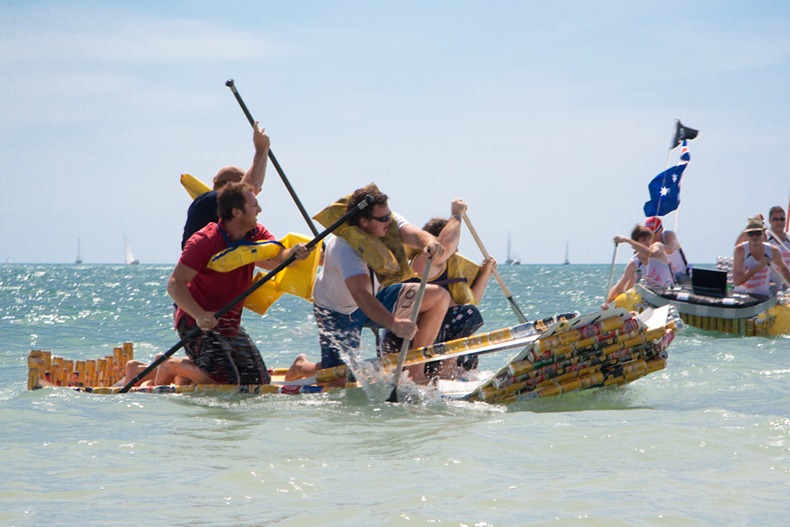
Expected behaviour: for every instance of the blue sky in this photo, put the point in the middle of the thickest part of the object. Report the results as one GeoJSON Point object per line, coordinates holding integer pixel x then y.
{"type": "Point", "coordinates": [549, 118]}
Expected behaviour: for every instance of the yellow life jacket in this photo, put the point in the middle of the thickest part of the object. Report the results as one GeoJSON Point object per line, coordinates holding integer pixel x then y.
{"type": "Point", "coordinates": [459, 266]}
{"type": "Point", "coordinates": [386, 256]}
{"type": "Point", "coordinates": [297, 279]}
{"type": "Point", "coordinates": [244, 254]}
{"type": "Point", "coordinates": [193, 185]}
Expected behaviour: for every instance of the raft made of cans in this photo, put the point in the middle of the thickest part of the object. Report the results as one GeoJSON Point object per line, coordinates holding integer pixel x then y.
{"type": "Point", "coordinates": [733, 313]}
{"type": "Point", "coordinates": [556, 355]}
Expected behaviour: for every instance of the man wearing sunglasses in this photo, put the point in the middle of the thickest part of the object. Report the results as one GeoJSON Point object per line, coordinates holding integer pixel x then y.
{"type": "Point", "coordinates": [752, 261]}
{"type": "Point", "coordinates": [347, 295]}
{"type": "Point", "coordinates": [777, 236]}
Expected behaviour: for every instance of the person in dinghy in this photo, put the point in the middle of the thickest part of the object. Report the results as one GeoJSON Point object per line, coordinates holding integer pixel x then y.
{"type": "Point", "coordinates": [752, 261]}
{"type": "Point", "coordinates": [650, 263]}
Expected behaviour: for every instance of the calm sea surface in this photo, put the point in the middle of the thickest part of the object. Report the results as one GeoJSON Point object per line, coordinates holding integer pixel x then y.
{"type": "Point", "coordinates": [704, 442]}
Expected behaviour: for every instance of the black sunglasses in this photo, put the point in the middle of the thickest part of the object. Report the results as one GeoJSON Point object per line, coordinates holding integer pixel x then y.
{"type": "Point", "coordinates": [383, 219]}
{"type": "Point", "coordinates": [777, 219]}
{"type": "Point", "coordinates": [754, 234]}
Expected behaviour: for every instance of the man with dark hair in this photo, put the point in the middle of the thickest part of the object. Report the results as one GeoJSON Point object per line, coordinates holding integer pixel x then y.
{"type": "Point", "coordinates": [361, 284]}
{"type": "Point", "coordinates": [203, 210]}
{"type": "Point", "coordinates": [465, 281]}
{"type": "Point", "coordinates": [223, 350]}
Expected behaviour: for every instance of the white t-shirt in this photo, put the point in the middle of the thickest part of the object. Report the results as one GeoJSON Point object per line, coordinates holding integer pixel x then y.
{"type": "Point", "coordinates": [340, 263]}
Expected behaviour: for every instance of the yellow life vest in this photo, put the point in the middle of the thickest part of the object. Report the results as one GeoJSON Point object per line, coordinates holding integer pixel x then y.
{"type": "Point", "coordinates": [245, 254]}
{"type": "Point", "coordinates": [297, 279]}
{"type": "Point", "coordinates": [193, 185]}
{"type": "Point", "coordinates": [459, 266]}
{"type": "Point", "coordinates": [386, 256]}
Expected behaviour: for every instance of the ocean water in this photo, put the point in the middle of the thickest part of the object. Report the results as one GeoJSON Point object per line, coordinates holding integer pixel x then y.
{"type": "Point", "coordinates": [704, 442]}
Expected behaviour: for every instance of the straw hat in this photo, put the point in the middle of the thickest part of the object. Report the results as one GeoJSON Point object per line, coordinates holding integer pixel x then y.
{"type": "Point", "coordinates": [755, 224]}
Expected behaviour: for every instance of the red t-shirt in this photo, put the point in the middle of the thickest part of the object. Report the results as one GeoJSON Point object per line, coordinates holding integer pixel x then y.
{"type": "Point", "coordinates": [213, 290]}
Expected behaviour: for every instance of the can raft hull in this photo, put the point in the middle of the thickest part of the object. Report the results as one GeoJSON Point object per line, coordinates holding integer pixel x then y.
{"type": "Point", "coordinates": [605, 348]}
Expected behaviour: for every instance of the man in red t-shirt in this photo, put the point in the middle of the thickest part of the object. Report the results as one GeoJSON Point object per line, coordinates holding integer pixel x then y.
{"type": "Point", "coordinates": [224, 350]}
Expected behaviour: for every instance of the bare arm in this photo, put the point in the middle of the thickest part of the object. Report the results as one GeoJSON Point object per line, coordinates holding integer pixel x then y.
{"type": "Point", "coordinates": [779, 265]}
{"type": "Point", "coordinates": [257, 172]}
{"type": "Point", "coordinates": [416, 237]}
{"type": "Point", "coordinates": [481, 281]}
{"type": "Point", "coordinates": [626, 282]}
{"type": "Point", "coordinates": [739, 275]}
{"type": "Point", "coordinates": [448, 238]}
{"type": "Point", "coordinates": [360, 288]}
{"type": "Point", "coordinates": [179, 292]}
{"type": "Point", "coordinates": [642, 250]}
{"type": "Point", "coordinates": [670, 242]}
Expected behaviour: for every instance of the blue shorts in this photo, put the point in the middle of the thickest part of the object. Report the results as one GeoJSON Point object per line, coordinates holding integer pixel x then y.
{"type": "Point", "coordinates": [342, 333]}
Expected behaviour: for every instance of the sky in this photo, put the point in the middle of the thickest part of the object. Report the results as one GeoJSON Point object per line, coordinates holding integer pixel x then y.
{"type": "Point", "coordinates": [548, 118]}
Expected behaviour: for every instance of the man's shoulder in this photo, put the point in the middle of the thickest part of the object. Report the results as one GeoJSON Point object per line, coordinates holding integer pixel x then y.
{"type": "Point", "coordinates": [262, 233]}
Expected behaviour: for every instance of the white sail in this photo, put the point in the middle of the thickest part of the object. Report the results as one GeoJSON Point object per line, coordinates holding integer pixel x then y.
{"type": "Point", "coordinates": [129, 255]}
{"type": "Point", "coordinates": [566, 261]}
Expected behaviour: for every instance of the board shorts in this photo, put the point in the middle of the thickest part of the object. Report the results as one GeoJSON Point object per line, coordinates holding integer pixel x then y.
{"type": "Point", "coordinates": [459, 322]}
{"type": "Point", "coordinates": [228, 360]}
{"type": "Point", "coordinates": [340, 334]}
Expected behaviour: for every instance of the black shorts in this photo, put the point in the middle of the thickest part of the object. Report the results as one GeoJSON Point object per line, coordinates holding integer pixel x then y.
{"type": "Point", "coordinates": [228, 360]}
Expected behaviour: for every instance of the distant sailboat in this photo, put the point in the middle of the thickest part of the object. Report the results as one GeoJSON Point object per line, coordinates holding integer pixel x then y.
{"type": "Point", "coordinates": [130, 259]}
{"type": "Point", "coordinates": [509, 260]}
{"type": "Point", "coordinates": [566, 261]}
{"type": "Point", "coordinates": [78, 261]}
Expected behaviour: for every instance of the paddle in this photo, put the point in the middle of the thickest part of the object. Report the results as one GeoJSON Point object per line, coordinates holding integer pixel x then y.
{"type": "Point", "coordinates": [611, 273]}
{"type": "Point", "coordinates": [415, 310]}
{"type": "Point", "coordinates": [247, 292]}
{"type": "Point", "coordinates": [230, 84]}
{"type": "Point", "coordinates": [513, 305]}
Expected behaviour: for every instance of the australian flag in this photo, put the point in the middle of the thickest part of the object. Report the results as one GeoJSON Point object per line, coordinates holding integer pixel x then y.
{"type": "Point", "coordinates": [665, 187]}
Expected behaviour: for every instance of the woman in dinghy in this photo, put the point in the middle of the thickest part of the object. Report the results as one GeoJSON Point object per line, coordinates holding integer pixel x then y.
{"type": "Point", "coordinates": [649, 263]}
{"type": "Point", "coordinates": [752, 262]}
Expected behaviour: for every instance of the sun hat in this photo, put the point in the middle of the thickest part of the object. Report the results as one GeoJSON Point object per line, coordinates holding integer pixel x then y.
{"type": "Point", "coordinates": [754, 224]}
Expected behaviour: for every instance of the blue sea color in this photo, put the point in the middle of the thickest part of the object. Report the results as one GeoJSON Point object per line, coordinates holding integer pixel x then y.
{"type": "Point", "coordinates": [704, 442]}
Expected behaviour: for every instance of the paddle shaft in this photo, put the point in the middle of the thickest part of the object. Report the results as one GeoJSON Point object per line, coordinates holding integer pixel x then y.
{"type": "Point", "coordinates": [415, 311]}
{"type": "Point", "coordinates": [247, 292]}
{"type": "Point", "coordinates": [611, 273]}
{"type": "Point", "coordinates": [230, 84]}
{"type": "Point", "coordinates": [513, 305]}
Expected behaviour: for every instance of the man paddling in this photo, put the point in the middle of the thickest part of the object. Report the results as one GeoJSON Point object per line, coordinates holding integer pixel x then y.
{"type": "Point", "coordinates": [224, 350]}
{"type": "Point", "coordinates": [347, 291]}
{"type": "Point", "coordinates": [464, 280]}
{"type": "Point", "coordinates": [203, 210]}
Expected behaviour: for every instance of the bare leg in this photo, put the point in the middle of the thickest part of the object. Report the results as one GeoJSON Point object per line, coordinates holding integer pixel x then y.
{"type": "Point", "coordinates": [434, 306]}
{"type": "Point", "coordinates": [132, 369]}
{"type": "Point", "coordinates": [301, 368]}
{"type": "Point", "coordinates": [172, 368]}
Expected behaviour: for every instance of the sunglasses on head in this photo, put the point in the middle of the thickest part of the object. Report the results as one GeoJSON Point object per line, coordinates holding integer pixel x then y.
{"type": "Point", "coordinates": [383, 219]}
{"type": "Point", "coordinates": [754, 234]}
